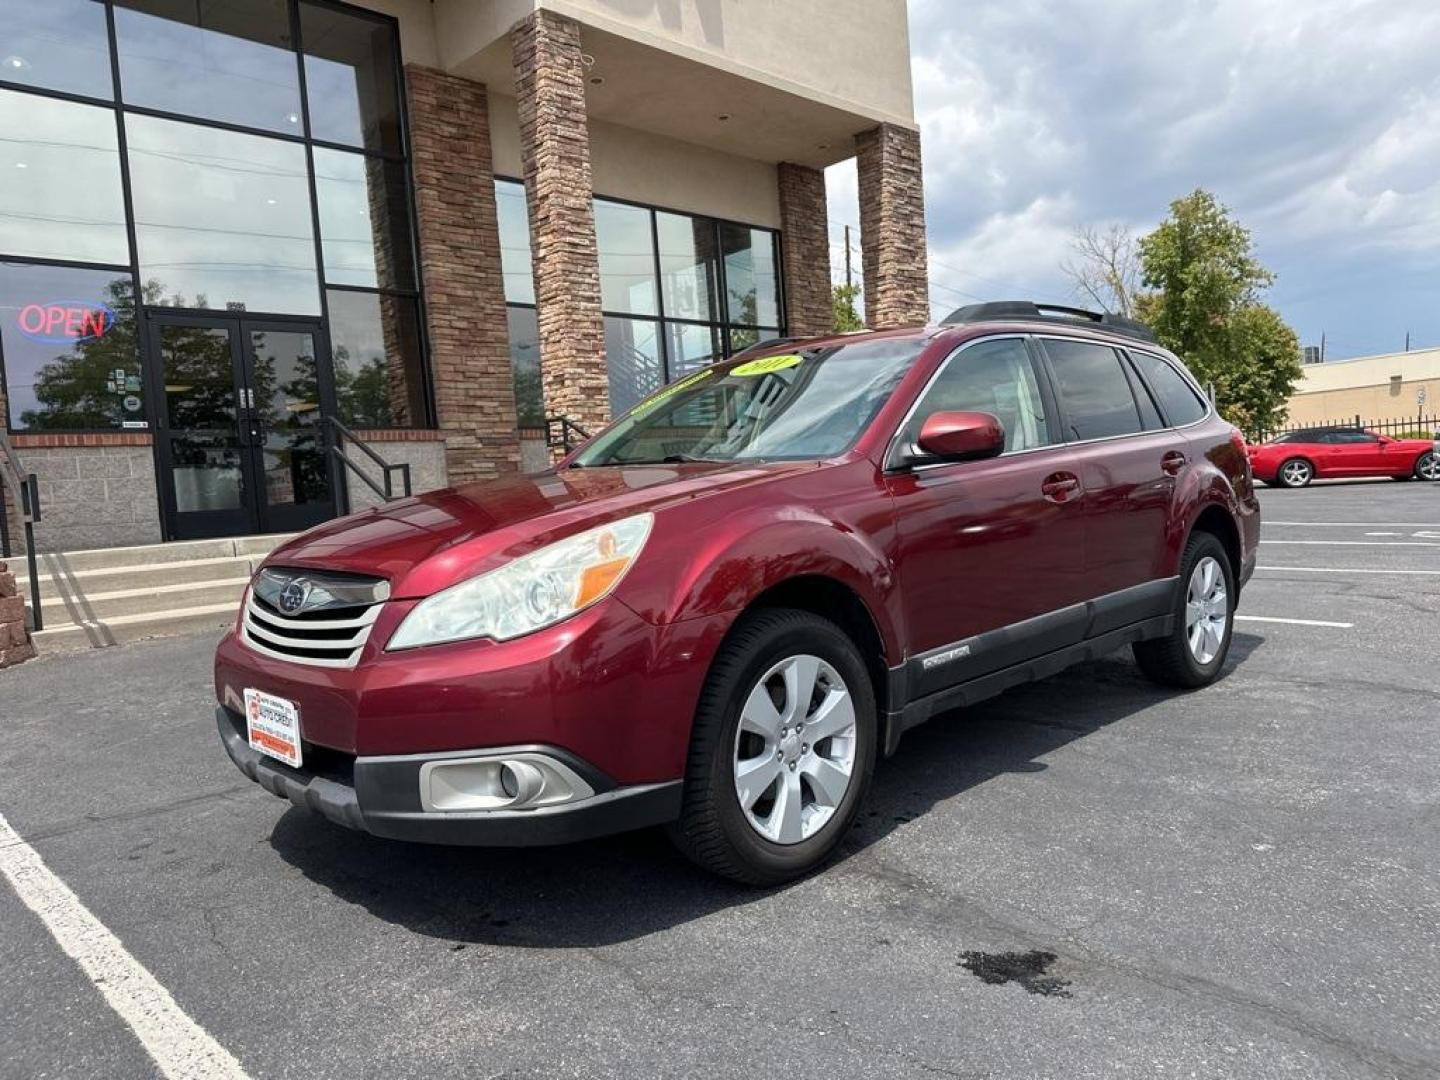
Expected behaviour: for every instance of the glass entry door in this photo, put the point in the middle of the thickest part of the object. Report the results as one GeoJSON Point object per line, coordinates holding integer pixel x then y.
{"type": "Point", "coordinates": [241, 443]}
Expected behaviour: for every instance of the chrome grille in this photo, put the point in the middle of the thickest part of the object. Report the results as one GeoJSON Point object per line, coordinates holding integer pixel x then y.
{"type": "Point", "coordinates": [328, 628]}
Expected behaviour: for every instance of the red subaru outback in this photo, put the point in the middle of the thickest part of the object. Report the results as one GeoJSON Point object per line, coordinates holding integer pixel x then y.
{"type": "Point", "coordinates": [720, 611]}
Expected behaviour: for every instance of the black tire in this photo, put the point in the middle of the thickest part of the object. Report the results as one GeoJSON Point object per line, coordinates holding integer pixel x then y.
{"type": "Point", "coordinates": [1422, 463]}
{"type": "Point", "coordinates": [713, 830]}
{"type": "Point", "coordinates": [1169, 660]}
{"type": "Point", "coordinates": [1302, 479]}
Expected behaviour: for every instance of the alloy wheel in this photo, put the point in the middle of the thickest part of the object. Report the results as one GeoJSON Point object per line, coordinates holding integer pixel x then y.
{"type": "Point", "coordinates": [1207, 606]}
{"type": "Point", "coordinates": [795, 749]}
{"type": "Point", "coordinates": [1429, 467]}
{"type": "Point", "coordinates": [1295, 473]}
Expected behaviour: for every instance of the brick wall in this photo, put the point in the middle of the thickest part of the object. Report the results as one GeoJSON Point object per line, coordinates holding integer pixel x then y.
{"type": "Point", "coordinates": [892, 227]}
{"type": "Point", "coordinates": [805, 244]}
{"type": "Point", "coordinates": [459, 245]}
{"type": "Point", "coordinates": [15, 643]}
{"type": "Point", "coordinates": [555, 152]}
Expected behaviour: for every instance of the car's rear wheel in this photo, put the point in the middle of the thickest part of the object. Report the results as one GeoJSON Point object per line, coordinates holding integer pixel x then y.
{"type": "Point", "coordinates": [1194, 651]}
{"type": "Point", "coordinates": [782, 749]}
{"type": "Point", "coordinates": [1295, 473]}
{"type": "Point", "coordinates": [1427, 467]}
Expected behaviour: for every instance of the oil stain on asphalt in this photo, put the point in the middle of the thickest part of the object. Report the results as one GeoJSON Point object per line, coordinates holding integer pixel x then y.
{"type": "Point", "coordinates": [1028, 969]}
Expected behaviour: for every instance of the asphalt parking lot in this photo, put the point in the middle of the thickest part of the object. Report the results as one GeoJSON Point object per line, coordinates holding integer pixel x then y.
{"type": "Point", "coordinates": [1243, 881]}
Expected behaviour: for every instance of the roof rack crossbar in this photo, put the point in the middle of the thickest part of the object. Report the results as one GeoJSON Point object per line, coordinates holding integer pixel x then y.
{"type": "Point", "coordinates": [1030, 310]}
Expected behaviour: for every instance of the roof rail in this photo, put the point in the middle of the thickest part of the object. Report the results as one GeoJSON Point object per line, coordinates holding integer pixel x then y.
{"type": "Point", "coordinates": [1029, 310]}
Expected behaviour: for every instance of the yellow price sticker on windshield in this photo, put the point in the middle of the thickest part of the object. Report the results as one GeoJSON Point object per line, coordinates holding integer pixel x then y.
{"type": "Point", "coordinates": [670, 391]}
{"type": "Point", "coordinates": [766, 364]}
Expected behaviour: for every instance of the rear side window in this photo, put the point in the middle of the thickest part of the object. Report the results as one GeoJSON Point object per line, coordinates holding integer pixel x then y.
{"type": "Point", "coordinates": [1177, 397]}
{"type": "Point", "coordinates": [996, 377]}
{"type": "Point", "coordinates": [1094, 390]}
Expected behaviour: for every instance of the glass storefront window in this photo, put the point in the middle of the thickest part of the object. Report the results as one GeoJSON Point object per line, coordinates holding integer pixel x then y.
{"type": "Point", "coordinates": [379, 370]}
{"type": "Point", "coordinates": [514, 223]}
{"type": "Point", "coordinates": [230, 62]}
{"type": "Point", "coordinates": [67, 339]}
{"type": "Point", "coordinates": [687, 265]}
{"type": "Point", "coordinates": [61, 196]}
{"type": "Point", "coordinates": [364, 220]}
{"type": "Point", "coordinates": [742, 337]}
{"type": "Point", "coordinates": [627, 258]}
{"type": "Point", "coordinates": [751, 276]}
{"type": "Point", "coordinates": [632, 354]}
{"type": "Point", "coordinates": [222, 220]}
{"type": "Point", "coordinates": [350, 84]}
{"type": "Point", "coordinates": [57, 45]}
{"type": "Point", "coordinates": [525, 362]}
{"type": "Point", "coordinates": [690, 347]}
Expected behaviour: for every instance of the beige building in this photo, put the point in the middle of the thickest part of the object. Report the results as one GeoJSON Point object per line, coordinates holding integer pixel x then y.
{"type": "Point", "coordinates": [1393, 387]}
{"type": "Point", "coordinates": [440, 223]}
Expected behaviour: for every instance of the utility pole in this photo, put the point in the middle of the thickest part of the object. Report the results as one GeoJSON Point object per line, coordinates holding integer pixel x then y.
{"type": "Point", "coordinates": [849, 281]}
{"type": "Point", "coordinates": [1322, 346]}
{"type": "Point", "coordinates": [1407, 340]}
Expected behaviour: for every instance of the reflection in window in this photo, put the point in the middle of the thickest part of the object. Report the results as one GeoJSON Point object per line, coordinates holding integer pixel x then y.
{"type": "Point", "coordinates": [350, 84]}
{"type": "Point", "coordinates": [514, 242]}
{"type": "Point", "coordinates": [687, 265]}
{"type": "Point", "coordinates": [60, 197]}
{"type": "Point", "coordinates": [691, 347]}
{"type": "Point", "coordinates": [57, 44]}
{"type": "Point", "coordinates": [286, 382]}
{"type": "Point", "coordinates": [525, 362]}
{"type": "Point", "coordinates": [230, 62]}
{"type": "Point", "coordinates": [751, 279]}
{"type": "Point", "coordinates": [198, 366]}
{"type": "Point", "coordinates": [632, 353]}
{"type": "Point", "coordinates": [67, 338]}
{"type": "Point", "coordinates": [222, 219]}
{"type": "Point", "coordinates": [364, 220]}
{"type": "Point", "coordinates": [627, 258]}
{"type": "Point", "coordinates": [379, 372]}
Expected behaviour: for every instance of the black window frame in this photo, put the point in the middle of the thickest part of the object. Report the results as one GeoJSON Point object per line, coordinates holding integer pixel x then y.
{"type": "Point", "coordinates": [119, 108]}
{"type": "Point", "coordinates": [721, 325]}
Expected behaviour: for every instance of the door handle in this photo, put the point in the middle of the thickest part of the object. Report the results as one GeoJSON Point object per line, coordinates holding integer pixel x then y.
{"type": "Point", "coordinates": [1060, 487]}
{"type": "Point", "coordinates": [1172, 462]}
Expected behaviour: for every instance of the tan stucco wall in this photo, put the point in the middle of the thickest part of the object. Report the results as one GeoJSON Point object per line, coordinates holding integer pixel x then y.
{"type": "Point", "coordinates": [648, 168]}
{"type": "Point", "coordinates": [417, 28]}
{"type": "Point", "coordinates": [1367, 387]}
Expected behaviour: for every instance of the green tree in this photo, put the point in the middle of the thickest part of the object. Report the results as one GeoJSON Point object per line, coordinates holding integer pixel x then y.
{"type": "Point", "coordinates": [846, 317]}
{"type": "Point", "coordinates": [1204, 304]}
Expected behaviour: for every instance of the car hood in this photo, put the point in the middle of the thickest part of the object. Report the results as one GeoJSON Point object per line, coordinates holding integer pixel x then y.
{"type": "Point", "coordinates": [429, 542]}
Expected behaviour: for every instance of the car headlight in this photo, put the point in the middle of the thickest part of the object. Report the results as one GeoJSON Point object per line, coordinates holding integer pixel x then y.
{"type": "Point", "coordinates": [530, 593]}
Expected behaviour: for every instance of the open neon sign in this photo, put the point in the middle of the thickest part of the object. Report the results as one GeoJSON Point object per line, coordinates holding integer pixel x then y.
{"type": "Point", "coordinates": [65, 322]}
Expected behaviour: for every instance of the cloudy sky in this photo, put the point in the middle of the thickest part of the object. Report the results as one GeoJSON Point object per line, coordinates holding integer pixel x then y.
{"type": "Point", "coordinates": [1316, 121]}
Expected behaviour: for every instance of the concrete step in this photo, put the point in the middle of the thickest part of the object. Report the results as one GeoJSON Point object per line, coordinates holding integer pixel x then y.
{"type": "Point", "coordinates": [143, 554]}
{"type": "Point", "coordinates": [79, 584]}
{"type": "Point", "coordinates": [93, 606]}
{"type": "Point", "coordinates": [98, 634]}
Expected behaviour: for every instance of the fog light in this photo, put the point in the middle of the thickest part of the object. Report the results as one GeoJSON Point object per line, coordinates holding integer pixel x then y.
{"type": "Point", "coordinates": [499, 781]}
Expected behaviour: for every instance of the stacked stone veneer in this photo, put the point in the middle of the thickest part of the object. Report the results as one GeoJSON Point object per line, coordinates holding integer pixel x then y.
{"type": "Point", "coordinates": [459, 246]}
{"type": "Point", "coordinates": [555, 155]}
{"type": "Point", "coordinates": [15, 643]}
{"type": "Point", "coordinates": [892, 227]}
{"type": "Point", "coordinates": [805, 248]}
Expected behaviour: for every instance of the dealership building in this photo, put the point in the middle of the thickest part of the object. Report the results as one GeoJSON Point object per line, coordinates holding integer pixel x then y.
{"type": "Point", "coordinates": [225, 224]}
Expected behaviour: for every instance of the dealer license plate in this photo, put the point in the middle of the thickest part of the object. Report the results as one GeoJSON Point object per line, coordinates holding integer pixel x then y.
{"type": "Point", "coordinates": [273, 726]}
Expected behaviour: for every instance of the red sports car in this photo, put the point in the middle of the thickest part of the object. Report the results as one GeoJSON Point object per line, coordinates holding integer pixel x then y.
{"type": "Point", "coordinates": [1296, 458]}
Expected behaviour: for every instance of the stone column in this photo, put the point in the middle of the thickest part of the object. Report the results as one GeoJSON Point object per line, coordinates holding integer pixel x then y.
{"type": "Point", "coordinates": [555, 150]}
{"type": "Point", "coordinates": [892, 227]}
{"type": "Point", "coordinates": [459, 246]}
{"type": "Point", "coordinates": [15, 643]}
{"type": "Point", "coordinates": [805, 248]}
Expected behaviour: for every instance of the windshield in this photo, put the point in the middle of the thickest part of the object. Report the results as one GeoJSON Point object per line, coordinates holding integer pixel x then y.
{"type": "Point", "coordinates": [794, 406]}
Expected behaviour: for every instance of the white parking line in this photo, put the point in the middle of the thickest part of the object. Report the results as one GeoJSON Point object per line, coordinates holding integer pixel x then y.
{"type": "Point", "coordinates": [1354, 524]}
{"type": "Point", "coordinates": [180, 1047]}
{"type": "Point", "coordinates": [1343, 570]}
{"type": "Point", "coordinates": [1358, 543]}
{"type": "Point", "coordinates": [1295, 622]}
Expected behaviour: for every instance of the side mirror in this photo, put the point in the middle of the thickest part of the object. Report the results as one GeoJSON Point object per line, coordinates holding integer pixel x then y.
{"type": "Point", "coordinates": [961, 436]}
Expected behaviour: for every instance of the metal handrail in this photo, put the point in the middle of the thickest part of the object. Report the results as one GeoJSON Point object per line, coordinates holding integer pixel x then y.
{"type": "Point", "coordinates": [337, 449]}
{"type": "Point", "coordinates": [568, 430]}
{"type": "Point", "coordinates": [24, 487]}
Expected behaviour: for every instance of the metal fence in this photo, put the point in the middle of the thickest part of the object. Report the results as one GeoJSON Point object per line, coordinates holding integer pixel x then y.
{"type": "Point", "coordinates": [1411, 427]}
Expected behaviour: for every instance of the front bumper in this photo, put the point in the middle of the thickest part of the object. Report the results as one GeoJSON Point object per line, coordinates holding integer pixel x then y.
{"type": "Point", "coordinates": [381, 796]}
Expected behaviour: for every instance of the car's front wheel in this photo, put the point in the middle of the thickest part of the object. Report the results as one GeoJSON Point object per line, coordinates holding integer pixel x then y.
{"type": "Point", "coordinates": [1295, 473]}
{"type": "Point", "coordinates": [782, 749]}
{"type": "Point", "coordinates": [1194, 651]}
